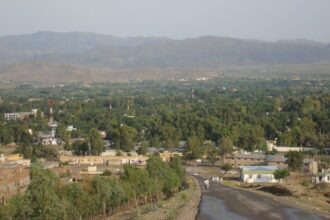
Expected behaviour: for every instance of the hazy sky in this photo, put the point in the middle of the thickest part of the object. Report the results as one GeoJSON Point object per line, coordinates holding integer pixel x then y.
{"type": "Point", "coordinates": [258, 19]}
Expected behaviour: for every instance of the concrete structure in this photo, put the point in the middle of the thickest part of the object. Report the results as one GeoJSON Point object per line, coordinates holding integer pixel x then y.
{"type": "Point", "coordinates": [20, 115]}
{"type": "Point", "coordinates": [271, 145]}
{"type": "Point", "coordinates": [92, 170]}
{"type": "Point", "coordinates": [258, 174]}
{"type": "Point", "coordinates": [70, 128]}
{"type": "Point", "coordinates": [15, 159]}
{"type": "Point", "coordinates": [103, 134]}
{"type": "Point", "coordinates": [167, 155]}
{"type": "Point", "coordinates": [48, 138]}
{"type": "Point", "coordinates": [108, 153]}
{"type": "Point", "coordinates": [276, 160]}
{"type": "Point", "coordinates": [246, 159]}
{"type": "Point", "coordinates": [310, 166]}
{"type": "Point", "coordinates": [106, 160]}
{"type": "Point", "coordinates": [323, 177]}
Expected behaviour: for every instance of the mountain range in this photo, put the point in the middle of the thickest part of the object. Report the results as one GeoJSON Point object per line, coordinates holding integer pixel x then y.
{"type": "Point", "coordinates": [75, 53]}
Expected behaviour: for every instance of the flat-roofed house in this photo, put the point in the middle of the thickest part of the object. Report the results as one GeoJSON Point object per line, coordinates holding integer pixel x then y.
{"type": "Point", "coordinates": [310, 166]}
{"type": "Point", "coordinates": [246, 159]}
{"type": "Point", "coordinates": [258, 174]}
{"type": "Point", "coordinates": [276, 160]}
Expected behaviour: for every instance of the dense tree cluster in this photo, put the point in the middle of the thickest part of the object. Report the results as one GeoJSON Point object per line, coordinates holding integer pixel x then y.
{"type": "Point", "coordinates": [242, 113]}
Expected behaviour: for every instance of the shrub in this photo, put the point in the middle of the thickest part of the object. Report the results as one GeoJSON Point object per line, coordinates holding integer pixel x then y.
{"type": "Point", "coordinates": [226, 167]}
{"type": "Point", "coordinates": [107, 173]}
{"type": "Point", "coordinates": [281, 174]}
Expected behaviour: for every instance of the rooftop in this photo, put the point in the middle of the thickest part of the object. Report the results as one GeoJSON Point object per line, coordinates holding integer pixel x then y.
{"type": "Point", "coordinates": [258, 169]}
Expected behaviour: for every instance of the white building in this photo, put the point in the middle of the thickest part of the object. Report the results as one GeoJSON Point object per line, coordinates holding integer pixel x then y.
{"type": "Point", "coordinates": [20, 115]}
{"type": "Point", "coordinates": [322, 177]}
{"type": "Point", "coordinates": [48, 138]}
{"type": "Point", "coordinates": [110, 153]}
{"type": "Point", "coordinates": [258, 174]}
{"type": "Point", "coordinates": [71, 128]}
{"type": "Point", "coordinates": [271, 145]}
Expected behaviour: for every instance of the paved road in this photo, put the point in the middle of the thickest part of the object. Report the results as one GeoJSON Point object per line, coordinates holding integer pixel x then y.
{"type": "Point", "coordinates": [221, 202]}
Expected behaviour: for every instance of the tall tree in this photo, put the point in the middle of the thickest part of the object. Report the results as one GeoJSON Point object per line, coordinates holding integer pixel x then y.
{"type": "Point", "coordinates": [43, 195]}
{"type": "Point", "coordinates": [95, 141]}
{"type": "Point", "coordinates": [295, 160]}
{"type": "Point", "coordinates": [225, 146]}
{"type": "Point", "coordinates": [194, 148]}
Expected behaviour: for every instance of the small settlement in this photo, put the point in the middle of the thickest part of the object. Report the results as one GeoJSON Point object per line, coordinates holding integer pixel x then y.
{"type": "Point", "coordinates": [259, 167]}
{"type": "Point", "coordinates": [15, 170]}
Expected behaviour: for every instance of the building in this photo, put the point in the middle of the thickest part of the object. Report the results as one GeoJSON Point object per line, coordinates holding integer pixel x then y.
{"type": "Point", "coordinates": [48, 138]}
{"type": "Point", "coordinates": [309, 165]}
{"type": "Point", "coordinates": [20, 115]}
{"type": "Point", "coordinates": [71, 128]}
{"type": "Point", "coordinates": [105, 160]}
{"type": "Point", "coordinates": [323, 177]}
{"type": "Point", "coordinates": [13, 179]}
{"type": "Point", "coordinates": [167, 155]}
{"type": "Point", "coordinates": [271, 145]}
{"type": "Point", "coordinates": [103, 134]}
{"type": "Point", "coordinates": [246, 159]}
{"type": "Point", "coordinates": [276, 160]}
{"type": "Point", "coordinates": [258, 174]}
{"type": "Point", "coordinates": [92, 170]}
{"type": "Point", "coordinates": [108, 153]}
{"type": "Point", "coordinates": [14, 159]}
{"type": "Point", "coordinates": [12, 116]}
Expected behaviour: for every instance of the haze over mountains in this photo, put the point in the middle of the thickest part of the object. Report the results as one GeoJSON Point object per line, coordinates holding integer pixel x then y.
{"type": "Point", "coordinates": [79, 55]}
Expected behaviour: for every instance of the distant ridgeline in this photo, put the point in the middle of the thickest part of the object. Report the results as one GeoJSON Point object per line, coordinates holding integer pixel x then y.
{"type": "Point", "coordinates": [69, 55]}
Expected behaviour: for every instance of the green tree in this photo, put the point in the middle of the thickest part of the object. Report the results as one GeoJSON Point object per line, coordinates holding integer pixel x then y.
{"type": "Point", "coordinates": [194, 148]}
{"type": "Point", "coordinates": [176, 165]}
{"type": "Point", "coordinates": [20, 207]}
{"type": "Point", "coordinates": [143, 149]}
{"type": "Point", "coordinates": [225, 146]}
{"type": "Point", "coordinates": [95, 142]}
{"type": "Point", "coordinates": [127, 137]}
{"type": "Point", "coordinates": [281, 174]}
{"type": "Point", "coordinates": [43, 195]}
{"type": "Point", "coordinates": [80, 147]}
{"type": "Point", "coordinates": [295, 160]}
{"type": "Point", "coordinates": [212, 155]}
{"type": "Point", "coordinates": [163, 174]}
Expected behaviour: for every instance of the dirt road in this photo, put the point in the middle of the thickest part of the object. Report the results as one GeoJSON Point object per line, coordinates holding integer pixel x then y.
{"type": "Point", "coordinates": [221, 202]}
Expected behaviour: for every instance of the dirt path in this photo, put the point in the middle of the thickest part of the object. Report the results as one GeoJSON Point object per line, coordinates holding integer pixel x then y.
{"type": "Point", "coordinates": [190, 210]}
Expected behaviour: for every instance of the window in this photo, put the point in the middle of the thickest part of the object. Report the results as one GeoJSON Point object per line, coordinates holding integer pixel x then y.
{"type": "Point", "coordinates": [259, 176]}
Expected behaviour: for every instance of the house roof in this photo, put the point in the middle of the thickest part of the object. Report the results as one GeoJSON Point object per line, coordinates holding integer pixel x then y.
{"type": "Point", "coordinates": [258, 169]}
{"type": "Point", "coordinates": [250, 156]}
{"type": "Point", "coordinates": [323, 174]}
{"type": "Point", "coordinates": [307, 161]}
{"type": "Point", "coordinates": [276, 158]}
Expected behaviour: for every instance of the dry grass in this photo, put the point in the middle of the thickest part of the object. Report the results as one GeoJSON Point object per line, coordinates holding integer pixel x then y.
{"type": "Point", "coordinates": [177, 207]}
{"type": "Point", "coordinates": [7, 149]}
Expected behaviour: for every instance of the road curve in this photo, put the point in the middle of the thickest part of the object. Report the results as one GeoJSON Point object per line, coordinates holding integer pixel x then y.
{"type": "Point", "coordinates": [221, 202]}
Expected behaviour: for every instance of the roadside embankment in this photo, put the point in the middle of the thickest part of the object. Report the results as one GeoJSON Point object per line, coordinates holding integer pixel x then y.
{"type": "Point", "coordinates": [182, 205]}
